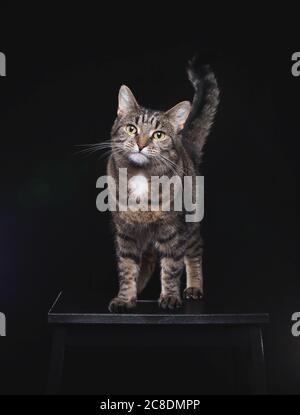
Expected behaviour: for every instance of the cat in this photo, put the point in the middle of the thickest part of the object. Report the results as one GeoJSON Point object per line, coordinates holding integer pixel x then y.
{"type": "Point", "coordinates": [155, 143]}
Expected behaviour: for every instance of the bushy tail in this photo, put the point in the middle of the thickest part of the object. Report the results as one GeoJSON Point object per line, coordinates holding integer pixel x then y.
{"type": "Point", "coordinates": [204, 106]}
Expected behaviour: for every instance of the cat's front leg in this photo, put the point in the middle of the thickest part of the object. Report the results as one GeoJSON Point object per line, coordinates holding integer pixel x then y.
{"type": "Point", "coordinates": [193, 262]}
{"type": "Point", "coordinates": [172, 266]}
{"type": "Point", "coordinates": [128, 269]}
{"type": "Point", "coordinates": [171, 271]}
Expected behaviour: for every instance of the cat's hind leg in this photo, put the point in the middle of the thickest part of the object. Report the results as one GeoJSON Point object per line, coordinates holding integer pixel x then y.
{"type": "Point", "coordinates": [147, 268]}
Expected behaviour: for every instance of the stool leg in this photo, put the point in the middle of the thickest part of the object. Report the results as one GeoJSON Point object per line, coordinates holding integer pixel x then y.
{"type": "Point", "coordinates": [56, 360]}
{"type": "Point", "coordinates": [258, 370]}
{"type": "Point", "coordinates": [240, 366]}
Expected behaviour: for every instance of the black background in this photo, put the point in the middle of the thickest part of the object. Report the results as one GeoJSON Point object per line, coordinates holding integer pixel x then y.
{"type": "Point", "coordinates": [63, 76]}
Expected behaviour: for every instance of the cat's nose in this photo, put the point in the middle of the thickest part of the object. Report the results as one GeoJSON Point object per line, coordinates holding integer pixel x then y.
{"type": "Point", "coordinates": [141, 142]}
{"type": "Point", "coordinates": [141, 146]}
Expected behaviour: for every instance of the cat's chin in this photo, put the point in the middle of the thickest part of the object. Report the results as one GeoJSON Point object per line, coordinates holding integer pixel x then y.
{"type": "Point", "coordinates": [138, 159]}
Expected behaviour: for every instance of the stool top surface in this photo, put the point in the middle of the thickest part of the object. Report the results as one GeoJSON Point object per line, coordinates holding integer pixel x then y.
{"type": "Point", "coordinates": [92, 308]}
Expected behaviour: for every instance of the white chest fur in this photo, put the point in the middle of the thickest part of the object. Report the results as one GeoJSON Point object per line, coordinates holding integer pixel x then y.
{"type": "Point", "coordinates": [138, 186]}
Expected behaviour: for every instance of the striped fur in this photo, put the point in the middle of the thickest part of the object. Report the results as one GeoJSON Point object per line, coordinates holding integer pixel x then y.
{"type": "Point", "coordinates": [142, 237]}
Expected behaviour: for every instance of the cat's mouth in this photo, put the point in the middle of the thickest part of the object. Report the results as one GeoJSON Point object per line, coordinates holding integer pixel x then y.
{"type": "Point", "coordinates": [138, 158]}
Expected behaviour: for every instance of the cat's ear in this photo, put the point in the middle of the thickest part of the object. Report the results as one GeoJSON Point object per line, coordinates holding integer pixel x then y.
{"type": "Point", "coordinates": [178, 114]}
{"type": "Point", "coordinates": [127, 102]}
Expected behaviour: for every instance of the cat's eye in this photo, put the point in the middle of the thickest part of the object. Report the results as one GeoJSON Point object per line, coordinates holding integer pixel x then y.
{"type": "Point", "coordinates": [130, 129]}
{"type": "Point", "coordinates": [158, 135]}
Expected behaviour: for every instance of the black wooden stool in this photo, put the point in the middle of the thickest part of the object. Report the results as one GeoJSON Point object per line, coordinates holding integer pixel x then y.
{"type": "Point", "coordinates": [76, 318]}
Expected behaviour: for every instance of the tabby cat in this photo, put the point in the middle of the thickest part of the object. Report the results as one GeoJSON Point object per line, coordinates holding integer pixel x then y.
{"type": "Point", "coordinates": [155, 143]}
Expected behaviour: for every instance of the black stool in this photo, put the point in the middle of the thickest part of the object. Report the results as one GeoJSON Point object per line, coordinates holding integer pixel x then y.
{"type": "Point", "coordinates": [76, 319]}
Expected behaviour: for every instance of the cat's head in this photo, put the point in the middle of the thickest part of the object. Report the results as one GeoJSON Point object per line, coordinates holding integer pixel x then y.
{"type": "Point", "coordinates": [142, 136]}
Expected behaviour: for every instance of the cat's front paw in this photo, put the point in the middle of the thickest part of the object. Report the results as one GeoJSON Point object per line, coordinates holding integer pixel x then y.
{"type": "Point", "coordinates": [169, 301]}
{"type": "Point", "coordinates": [119, 305]}
{"type": "Point", "coordinates": [192, 293]}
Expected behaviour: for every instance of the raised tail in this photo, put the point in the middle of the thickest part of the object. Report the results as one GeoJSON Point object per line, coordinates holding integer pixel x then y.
{"type": "Point", "coordinates": [204, 107]}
